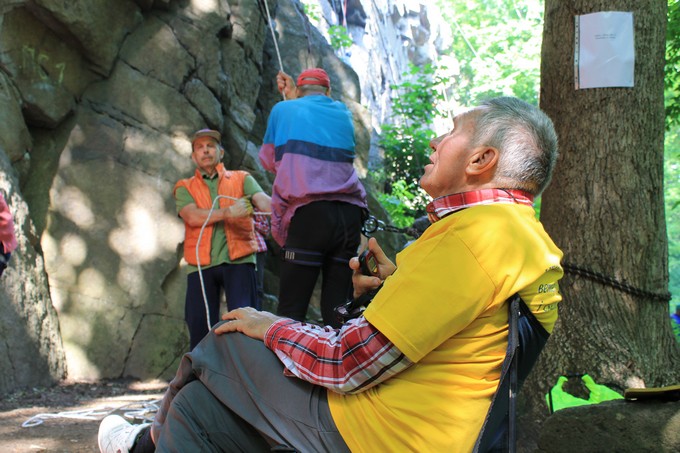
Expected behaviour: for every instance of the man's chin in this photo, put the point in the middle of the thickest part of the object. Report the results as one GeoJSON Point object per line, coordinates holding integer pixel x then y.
{"type": "Point", "coordinates": [423, 184]}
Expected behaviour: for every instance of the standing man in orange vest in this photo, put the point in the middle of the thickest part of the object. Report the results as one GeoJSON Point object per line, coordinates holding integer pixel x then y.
{"type": "Point", "coordinates": [224, 252]}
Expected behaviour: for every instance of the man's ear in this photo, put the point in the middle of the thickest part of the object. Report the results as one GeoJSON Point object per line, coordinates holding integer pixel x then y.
{"type": "Point", "coordinates": [483, 160]}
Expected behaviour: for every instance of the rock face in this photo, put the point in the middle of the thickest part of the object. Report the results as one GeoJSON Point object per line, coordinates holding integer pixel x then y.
{"type": "Point", "coordinates": [98, 100]}
{"type": "Point", "coordinates": [30, 342]}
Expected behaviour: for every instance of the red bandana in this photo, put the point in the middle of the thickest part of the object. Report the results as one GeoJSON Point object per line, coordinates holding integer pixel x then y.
{"type": "Point", "coordinates": [448, 204]}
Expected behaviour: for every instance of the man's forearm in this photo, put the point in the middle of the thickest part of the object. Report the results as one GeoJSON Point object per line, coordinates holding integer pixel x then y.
{"type": "Point", "coordinates": [349, 360]}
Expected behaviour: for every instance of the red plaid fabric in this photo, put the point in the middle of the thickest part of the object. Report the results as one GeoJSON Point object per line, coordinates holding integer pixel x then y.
{"type": "Point", "coordinates": [261, 223]}
{"type": "Point", "coordinates": [448, 204]}
{"type": "Point", "coordinates": [350, 360]}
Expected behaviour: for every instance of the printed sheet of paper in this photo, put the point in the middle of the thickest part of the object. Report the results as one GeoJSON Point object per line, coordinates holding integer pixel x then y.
{"type": "Point", "coordinates": [604, 50]}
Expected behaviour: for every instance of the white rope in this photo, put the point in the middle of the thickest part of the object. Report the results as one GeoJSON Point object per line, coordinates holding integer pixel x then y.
{"type": "Point", "coordinates": [271, 27]}
{"type": "Point", "coordinates": [87, 414]}
{"type": "Point", "coordinates": [198, 260]}
{"type": "Point", "coordinates": [276, 44]}
{"type": "Point", "coordinates": [145, 413]}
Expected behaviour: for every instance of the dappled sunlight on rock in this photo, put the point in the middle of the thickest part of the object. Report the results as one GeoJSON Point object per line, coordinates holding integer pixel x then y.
{"type": "Point", "coordinates": [76, 206]}
{"type": "Point", "coordinates": [205, 6]}
{"type": "Point", "coordinates": [49, 247]}
{"type": "Point", "coordinates": [66, 157]}
{"type": "Point", "coordinates": [147, 230]}
{"type": "Point", "coordinates": [73, 249]}
{"type": "Point", "coordinates": [136, 242]}
{"type": "Point", "coordinates": [77, 359]}
{"type": "Point", "coordinates": [182, 144]}
{"type": "Point", "coordinates": [61, 272]}
{"type": "Point", "coordinates": [63, 275]}
{"type": "Point", "coordinates": [59, 298]}
{"type": "Point", "coordinates": [131, 278]}
{"type": "Point", "coordinates": [154, 113]}
{"type": "Point", "coordinates": [92, 283]}
{"type": "Point", "coordinates": [670, 434]}
{"type": "Point", "coordinates": [171, 232]}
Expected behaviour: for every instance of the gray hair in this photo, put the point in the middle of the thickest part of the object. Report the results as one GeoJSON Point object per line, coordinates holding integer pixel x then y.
{"type": "Point", "coordinates": [525, 137]}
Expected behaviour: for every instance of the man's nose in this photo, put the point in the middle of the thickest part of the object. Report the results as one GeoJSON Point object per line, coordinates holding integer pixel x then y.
{"type": "Point", "coordinates": [435, 142]}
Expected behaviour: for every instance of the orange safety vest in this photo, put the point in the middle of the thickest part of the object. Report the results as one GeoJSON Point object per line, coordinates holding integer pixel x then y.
{"type": "Point", "coordinates": [240, 231]}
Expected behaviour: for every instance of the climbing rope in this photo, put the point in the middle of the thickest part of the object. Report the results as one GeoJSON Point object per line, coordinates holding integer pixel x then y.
{"type": "Point", "coordinates": [271, 27]}
{"type": "Point", "coordinates": [198, 260]}
{"type": "Point", "coordinates": [87, 414]}
{"type": "Point", "coordinates": [614, 283]}
{"type": "Point", "coordinates": [145, 413]}
{"type": "Point", "coordinates": [276, 44]}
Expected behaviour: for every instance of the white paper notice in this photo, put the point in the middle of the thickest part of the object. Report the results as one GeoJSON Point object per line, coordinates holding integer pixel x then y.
{"type": "Point", "coordinates": [604, 50]}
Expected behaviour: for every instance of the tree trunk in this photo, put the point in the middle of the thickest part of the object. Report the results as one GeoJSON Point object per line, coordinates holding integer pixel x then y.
{"type": "Point", "coordinates": [605, 210]}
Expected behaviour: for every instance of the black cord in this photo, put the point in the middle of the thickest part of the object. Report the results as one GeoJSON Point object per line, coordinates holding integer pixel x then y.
{"type": "Point", "coordinates": [609, 281]}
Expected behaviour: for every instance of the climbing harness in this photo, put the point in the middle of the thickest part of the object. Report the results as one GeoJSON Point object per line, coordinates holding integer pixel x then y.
{"type": "Point", "coordinates": [198, 260]}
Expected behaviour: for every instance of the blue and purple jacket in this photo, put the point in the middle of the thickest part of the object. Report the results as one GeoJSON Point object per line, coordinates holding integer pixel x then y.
{"type": "Point", "coordinates": [309, 146]}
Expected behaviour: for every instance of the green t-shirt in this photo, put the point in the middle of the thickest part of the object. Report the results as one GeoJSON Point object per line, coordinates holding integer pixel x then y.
{"type": "Point", "coordinates": [219, 252]}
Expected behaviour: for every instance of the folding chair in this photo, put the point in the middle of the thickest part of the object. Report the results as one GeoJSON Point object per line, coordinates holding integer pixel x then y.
{"type": "Point", "coordinates": [526, 339]}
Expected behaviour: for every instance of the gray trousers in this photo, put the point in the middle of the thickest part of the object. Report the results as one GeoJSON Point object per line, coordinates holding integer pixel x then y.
{"type": "Point", "coordinates": [230, 394]}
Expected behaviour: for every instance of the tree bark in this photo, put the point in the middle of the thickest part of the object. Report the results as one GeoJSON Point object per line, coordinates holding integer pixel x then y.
{"type": "Point", "coordinates": [605, 210]}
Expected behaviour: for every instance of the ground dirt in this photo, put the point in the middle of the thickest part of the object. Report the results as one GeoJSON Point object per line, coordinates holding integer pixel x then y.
{"type": "Point", "coordinates": [65, 418]}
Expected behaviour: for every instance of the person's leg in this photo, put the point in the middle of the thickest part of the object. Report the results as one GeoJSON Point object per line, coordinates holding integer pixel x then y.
{"type": "Point", "coordinates": [240, 285]}
{"type": "Point", "coordinates": [194, 308]}
{"type": "Point", "coordinates": [336, 285]}
{"type": "Point", "coordinates": [336, 289]}
{"type": "Point", "coordinates": [247, 378]}
{"type": "Point", "coordinates": [297, 278]}
{"type": "Point", "coordinates": [259, 272]}
{"type": "Point", "coordinates": [296, 285]}
{"type": "Point", "coordinates": [144, 444]}
{"type": "Point", "coordinates": [197, 421]}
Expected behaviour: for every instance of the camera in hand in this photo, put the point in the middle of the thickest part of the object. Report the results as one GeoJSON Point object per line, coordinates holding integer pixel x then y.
{"type": "Point", "coordinates": [368, 264]}
{"type": "Point", "coordinates": [353, 308]}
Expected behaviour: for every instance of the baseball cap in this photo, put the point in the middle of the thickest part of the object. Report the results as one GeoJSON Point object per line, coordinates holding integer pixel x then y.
{"type": "Point", "coordinates": [206, 133]}
{"type": "Point", "coordinates": [308, 76]}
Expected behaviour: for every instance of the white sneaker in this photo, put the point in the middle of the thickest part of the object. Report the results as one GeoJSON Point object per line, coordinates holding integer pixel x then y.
{"type": "Point", "coordinates": [116, 435]}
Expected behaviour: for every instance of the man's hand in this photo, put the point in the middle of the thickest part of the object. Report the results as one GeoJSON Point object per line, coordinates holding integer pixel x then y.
{"type": "Point", "coordinates": [286, 85]}
{"type": "Point", "coordinates": [241, 208]}
{"type": "Point", "coordinates": [362, 283]}
{"type": "Point", "coordinates": [248, 321]}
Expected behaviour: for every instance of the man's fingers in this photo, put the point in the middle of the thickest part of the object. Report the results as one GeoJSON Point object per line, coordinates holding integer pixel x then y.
{"type": "Point", "coordinates": [374, 247]}
{"type": "Point", "coordinates": [226, 327]}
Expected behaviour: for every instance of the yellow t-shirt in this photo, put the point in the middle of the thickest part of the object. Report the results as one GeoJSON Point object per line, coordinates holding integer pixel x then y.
{"type": "Point", "coordinates": [444, 309]}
